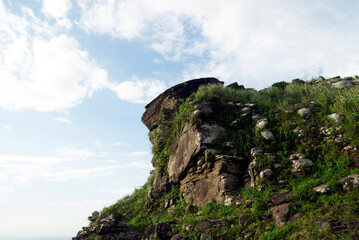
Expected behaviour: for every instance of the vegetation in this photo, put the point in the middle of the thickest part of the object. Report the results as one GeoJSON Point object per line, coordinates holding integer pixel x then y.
{"type": "Point", "coordinates": [316, 216]}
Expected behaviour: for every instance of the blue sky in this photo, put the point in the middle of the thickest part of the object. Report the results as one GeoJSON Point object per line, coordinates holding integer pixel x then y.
{"type": "Point", "coordinates": [75, 76]}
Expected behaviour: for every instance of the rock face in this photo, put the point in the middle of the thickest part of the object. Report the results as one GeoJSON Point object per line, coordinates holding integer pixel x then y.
{"type": "Point", "coordinates": [281, 214]}
{"type": "Point", "coordinates": [212, 179]}
{"type": "Point", "coordinates": [170, 99]}
{"type": "Point", "coordinates": [194, 140]}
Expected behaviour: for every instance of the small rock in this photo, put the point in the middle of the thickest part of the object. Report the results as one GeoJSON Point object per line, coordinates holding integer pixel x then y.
{"type": "Point", "coordinates": [355, 81]}
{"type": "Point", "coordinates": [164, 230]}
{"type": "Point", "coordinates": [235, 86]}
{"type": "Point", "coordinates": [324, 188]}
{"type": "Point", "coordinates": [262, 123]}
{"type": "Point", "coordinates": [266, 174]}
{"type": "Point", "coordinates": [297, 165]}
{"type": "Point", "coordinates": [179, 237]}
{"type": "Point", "coordinates": [303, 111]}
{"type": "Point", "coordinates": [228, 145]}
{"type": "Point", "coordinates": [256, 117]}
{"type": "Point", "coordinates": [350, 182]}
{"type": "Point", "coordinates": [267, 135]}
{"type": "Point", "coordinates": [281, 197]}
{"type": "Point", "coordinates": [298, 81]}
{"type": "Point", "coordinates": [320, 78]}
{"type": "Point", "coordinates": [334, 116]}
{"type": "Point", "coordinates": [343, 84]}
{"type": "Point", "coordinates": [281, 214]}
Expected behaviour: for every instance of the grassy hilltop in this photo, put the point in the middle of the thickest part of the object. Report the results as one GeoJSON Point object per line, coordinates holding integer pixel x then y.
{"type": "Point", "coordinates": [315, 120]}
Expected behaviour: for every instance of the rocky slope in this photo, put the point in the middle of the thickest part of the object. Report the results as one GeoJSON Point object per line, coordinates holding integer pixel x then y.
{"type": "Point", "coordinates": [235, 163]}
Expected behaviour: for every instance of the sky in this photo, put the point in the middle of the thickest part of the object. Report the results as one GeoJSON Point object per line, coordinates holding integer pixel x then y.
{"type": "Point", "coordinates": [75, 76]}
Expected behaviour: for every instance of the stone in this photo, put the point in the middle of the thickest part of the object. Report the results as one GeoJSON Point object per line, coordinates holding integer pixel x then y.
{"type": "Point", "coordinates": [192, 143]}
{"type": "Point", "coordinates": [304, 111]}
{"type": "Point", "coordinates": [214, 182]}
{"type": "Point", "coordinates": [170, 99]}
{"type": "Point", "coordinates": [268, 135]}
{"type": "Point", "coordinates": [297, 165]}
{"type": "Point", "coordinates": [355, 81]}
{"type": "Point", "coordinates": [294, 107]}
{"type": "Point", "coordinates": [281, 214]}
{"type": "Point", "coordinates": [262, 123]}
{"type": "Point", "coordinates": [350, 182]}
{"type": "Point", "coordinates": [204, 226]}
{"type": "Point", "coordinates": [236, 86]}
{"type": "Point", "coordinates": [266, 174]}
{"type": "Point", "coordinates": [203, 110]}
{"type": "Point", "coordinates": [320, 79]}
{"type": "Point", "coordinates": [281, 197]}
{"type": "Point", "coordinates": [205, 236]}
{"type": "Point", "coordinates": [160, 185]}
{"type": "Point", "coordinates": [298, 81]}
{"type": "Point", "coordinates": [343, 84]}
{"type": "Point", "coordinates": [335, 117]}
{"type": "Point", "coordinates": [312, 103]}
{"type": "Point", "coordinates": [179, 237]}
{"type": "Point", "coordinates": [324, 188]}
{"type": "Point", "coordinates": [164, 230]}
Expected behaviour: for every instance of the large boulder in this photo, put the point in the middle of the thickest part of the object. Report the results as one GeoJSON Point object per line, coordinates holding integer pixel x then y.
{"type": "Point", "coordinates": [170, 99]}
{"type": "Point", "coordinates": [194, 140]}
{"type": "Point", "coordinates": [212, 179]}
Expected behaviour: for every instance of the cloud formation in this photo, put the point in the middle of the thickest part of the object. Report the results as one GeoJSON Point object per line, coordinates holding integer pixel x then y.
{"type": "Point", "coordinates": [43, 68]}
{"type": "Point", "coordinates": [254, 42]}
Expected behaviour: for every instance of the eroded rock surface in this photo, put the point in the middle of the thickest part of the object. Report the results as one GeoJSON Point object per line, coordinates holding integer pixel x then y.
{"type": "Point", "coordinates": [170, 99]}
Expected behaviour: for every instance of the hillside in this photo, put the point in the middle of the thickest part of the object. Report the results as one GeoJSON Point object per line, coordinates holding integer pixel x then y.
{"type": "Point", "coordinates": [236, 163]}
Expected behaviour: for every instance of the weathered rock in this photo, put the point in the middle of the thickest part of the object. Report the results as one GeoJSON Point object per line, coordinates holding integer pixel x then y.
{"type": "Point", "coordinates": [268, 135]}
{"type": "Point", "coordinates": [350, 182]}
{"type": "Point", "coordinates": [297, 165]}
{"type": "Point", "coordinates": [170, 99]}
{"type": "Point", "coordinates": [235, 86]}
{"type": "Point", "coordinates": [204, 226]}
{"type": "Point", "coordinates": [122, 236]}
{"type": "Point", "coordinates": [343, 84]}
{"type": "Point", "coordinates": [324, 188]}
{"type": "Point", "coordinates": [304, 111]}
{"type": "Point", "coordinates": [164, 230]}
{"type": "Point", "coordinates": [266, 174]}
{"type": "Point", "coordinates": [353, 153]}
{"type": "Point", "coordinates": [203, 111]}
{"type": "Point", "coordinates": [298, 81]}
{"type": "Point", "coordinates": [281, 197]}
{"type": "Point", "coordinates": [214, 181]}
{"type": "Point", "coordinates": [262, 123]}
{"type": "Point", "coordinates": [320, 79]}
{"type": "Point", "coordinates": [335, 117]}
{"type": "Point", "coordinates": [160, 185]}
{"type": "Point", "coordinates": [281, 214]}
{"type": "Point", "coordinates": [294, 107]}
{"type": "Point", "coordinates": [179, 237]}
{"type": "Point", "coordinates": [194, 140]}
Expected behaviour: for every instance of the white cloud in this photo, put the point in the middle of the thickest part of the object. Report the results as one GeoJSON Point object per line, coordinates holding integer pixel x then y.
{"type": "Point", "coordinates": [62, 120]}
{"type": "Point", "coordinates": [8, 127]}
{"type": "Point", "coordinates": [42, 69]}
{"type": "Point", "coordinates": [5, 189]}
{"type": "Point", "coordinates": [137, 154]}
{"type": "Point", "coordinates": [67, 174]}
{"type": "Point", "coordinates": [75, 153]}
{"type": "Point", "coordinates": [254, 42]}
{"type": "Point", "coordinates": [138, 91]}
{"type": "Point", "coordinates": [118, 144]}
{"type": "Point", "coordinates": [119, 191]}
{"type": "Point", "coordinates": [57, 9]}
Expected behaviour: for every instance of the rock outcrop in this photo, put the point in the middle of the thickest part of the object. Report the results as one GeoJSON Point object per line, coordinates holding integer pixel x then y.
{"type": "Point", "coordinates": [170, 99]}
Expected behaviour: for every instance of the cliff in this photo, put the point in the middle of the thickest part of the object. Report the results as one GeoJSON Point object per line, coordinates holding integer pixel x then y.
{"type": "Point", "coordinates": [236, 163]}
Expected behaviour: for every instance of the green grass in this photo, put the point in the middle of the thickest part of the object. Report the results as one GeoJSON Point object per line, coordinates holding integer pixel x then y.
{"type": "Point", "coordinates": [314, 212]}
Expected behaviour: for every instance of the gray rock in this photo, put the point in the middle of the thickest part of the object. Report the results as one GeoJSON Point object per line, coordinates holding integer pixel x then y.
{"type": "Point", "coordinates": [203, 110]}
{"type": "Point", "coordinates": [304, 111]}
{"type": "Point", "coordinates": [355, 81]}
{"type": "Point", "coordinates": [324, 188]}
{"type": "Point", "coordinates": [266, 174]}
{"type": "Point", "coordinates": [262, 123]}
{"type": "Point", "coordinates": [343, 84]}
{"type": "Point", "coordinates": [350, 182]}
{"type": "Point", "coordinates": [297, 165]}
{"type": "Point", "coordinates": [320, 79]}
{"type": "Point", "coordinates": [281, 214]}
{"type": "Point", "coordinates": [281, 197]}
{"type": "Point", "coordinates": [335, 117]}
{"type": "Point", "coordinates": [268, 135]}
